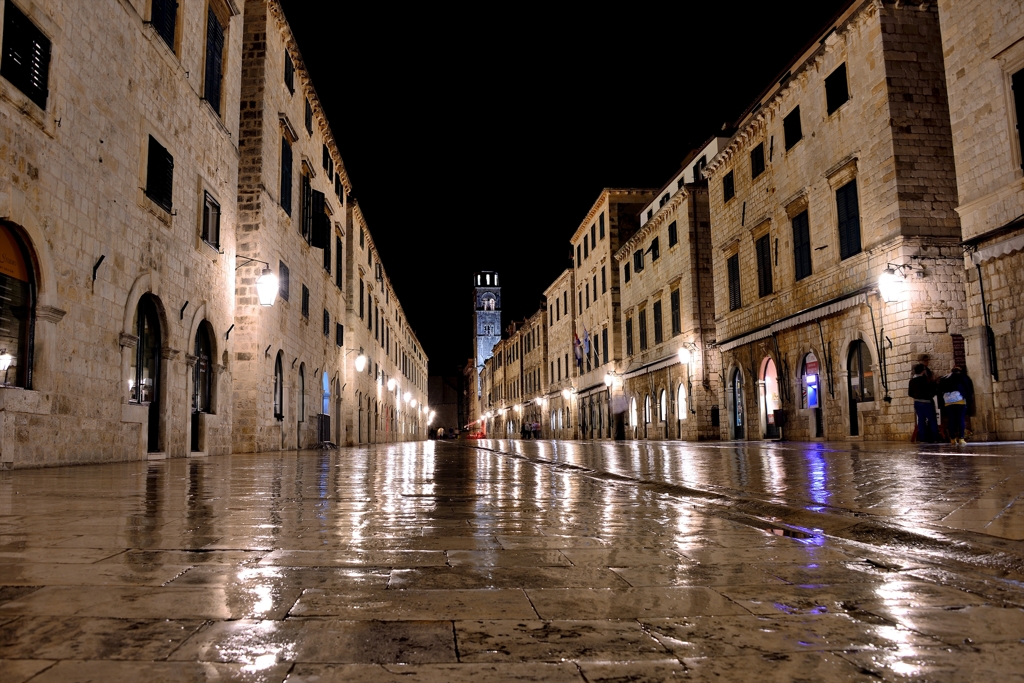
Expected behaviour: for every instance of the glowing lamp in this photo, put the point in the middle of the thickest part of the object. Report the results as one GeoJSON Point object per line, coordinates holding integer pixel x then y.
{"type": "Point", "coordinates": [890, 285]}
{"type": "Point", "coordinates": [360, 362]}
{"type": "Point", "coordinates": [408, 396]}
{"type": "Point", "coordinates": [5, 363]}
{"type": "Point", "coordinates": [391, 384]}
{"type": "Point", "coordinates": [608, 379]}
{"type": "Point", "coordinates": [684, 355]}
{"type": "Point", "coordinates": [266, 287]}
{"type": "Point", "coordinates": [413, 403]}
{"type": "Point", "coordinates": [566, 394]}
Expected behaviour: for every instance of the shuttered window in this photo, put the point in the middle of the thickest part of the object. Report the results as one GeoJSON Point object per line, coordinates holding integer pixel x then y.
{"type": "Point", "coordinates": [309, 117]}
{"type": "Point", "coordinates": [625, 273]}
{"type": "Point", "coordinates": [306, 208]}
{"type": "Point", "coordinates": [283, 277]}
{"type": "Point", "coordinates": [1017, 83]}
{"type": "Point", "coordinates": [764, 265]}
{"type": "Point", "coordinates": [305, 301]}
{"type": "Point", "coordinates": [629, 337]}
{"type": "Point", "coordinates": [163, 15]}
{"type": "Point", "coordinates": [286, 176]}
{"type": "Point", "coordinates": [337, 263]}
{"type": "Point", "coordinates": [655, 250]}
{"type": "Point", "coordinates": [801, 246]}
{"type": "Point", "coordinates": [604, 281]}
{"type": "Point", "coordinates": [339, 334]}
{"type": "Point", "coordinates": [673, 234]}
{"type": "Point", "coordinates": [328, 162]}
{"type": "Point", "coordinates": [757, 161]}
{"type": "Point", "coordinates": [320, 236]}
{"type": "Point", "coordinates": [733, 267]}
{"type": "Point", "coordinates": [604, 343]}
{"type": "Point", "coordinates": [362, 302]}
{"type": "Point", "coordinates": [836, 90]}
{"type": "Point", "coordinates": [658, 332]}
{"type": "Point", "coordinates": [849, 220]}
{"type": "Point", "coordinates": [214, 61]}
{"type": "Point", "coordinates": [289, 73]}
{"type": "Point", "coordinates": [676, 318]}
{"type": "Point", "coordinates": [159, 175]}
{"type": "Point", "coordinates": [728, 187]}
{"type": "Point", "coordinates": [211, 220]}
{"type": "Point", "coordinates": [642, 329]}
{"type": "Point", "coordinates": [327, 323]}
{"type": "Point", "coordinates": [638, 261]}
{"type": "Point", "coordinates": [600, 225]}
{"type": "Point", "coordinates": [328, 261]}
{"type": "Point", "coordinates": [791, 129]}
{"type": "Point", "coordinates": [26, 55]}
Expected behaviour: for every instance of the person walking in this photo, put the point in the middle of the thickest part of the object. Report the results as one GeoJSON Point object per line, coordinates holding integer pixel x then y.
{"type": "Point", "coordinates": [922, 390]}
{"type": "Point", "coordinates": [953, 392]}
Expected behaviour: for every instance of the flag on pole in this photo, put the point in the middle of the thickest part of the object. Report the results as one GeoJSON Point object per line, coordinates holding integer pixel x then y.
{"type": "Point", "coordinates": [586, 341]}
{"type": "Point", "coordinates": [577, 349]}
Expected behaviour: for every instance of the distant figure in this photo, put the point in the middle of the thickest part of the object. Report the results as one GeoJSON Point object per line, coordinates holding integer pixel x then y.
{"type": "Point", "coordinates": [922, 390]}
{"type": "Point", "coordinates": [440, 432]}
{"type": "Point", "coordinates": [536, 430]}
{"type": "Point", "coordinates": [954, 391]}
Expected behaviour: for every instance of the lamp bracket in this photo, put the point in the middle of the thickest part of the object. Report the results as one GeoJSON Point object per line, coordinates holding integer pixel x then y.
{"type": "Point", "coordinates": [246, 261]}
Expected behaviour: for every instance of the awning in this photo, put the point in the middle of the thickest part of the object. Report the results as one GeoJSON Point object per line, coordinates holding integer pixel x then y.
{"type": "Point", "coordinates": [652, 366]}
{"type": "Point", "coordinates": [1003, 248]}
{"type": "Point", "coordinates": [809, 315]}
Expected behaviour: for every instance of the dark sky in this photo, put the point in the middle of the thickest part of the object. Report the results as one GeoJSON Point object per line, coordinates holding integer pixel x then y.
{"type": "Point", "coordinates": [480, 142]}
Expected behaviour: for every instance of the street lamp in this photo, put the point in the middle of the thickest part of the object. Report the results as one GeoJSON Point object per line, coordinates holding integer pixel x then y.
{"type": "Point", "coordinates": [408, 396]}
{"type": "Point", "coordinates": [608, 379]}
{"type": "Point", "coordinates": [685, 355]}
{"type": "Point", "coordinates": [391, 384]}
{"type": "Point", "coordinates": [566, 394]}
{"type": "Point", "coordinates": [891, 283]}
{"type": "Point", "coordinates": [266, 287]}
{"type": "Point", "coordinates": [360, 361]}
{"type": "Point", "coordinates": [5, 363]}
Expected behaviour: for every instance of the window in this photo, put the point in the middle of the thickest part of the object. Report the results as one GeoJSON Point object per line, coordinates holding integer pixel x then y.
{"type": "Point", "coordinates": [595, 289]}
{"type": "Point", "coordinates": [662, 406]}
{"type": "Point", "coordinates": [681, 402]}
{"type": "Point", "coordinates": [1017, 84]}
{"type": "Point", "coordinates": [600, 223]}
{"type": "Point", "coordinates": [306, 208]}
{"type": "Point", "coordinates": [289, 71]}
{"type": "Point", "coordinates": [211, 220]}
{"type": "Point", "coordinates": [757, 161]}
{"type": "Point", "coordinates": [625, 273]}
{"type": "Point", "coordinates": [339, 334]}
{"type": "Point", "coordinates": [593, 236]}
{"type": "Point", "coordinates": [202, 375]}
{"type": "Point", "coordinates": [836, 89]}
{"type": "Point", "coordinates": [362, 300]}
{"type": "Point", "coordinates": [282, 280]}
{"type": "Point", "coordinates": [673, 234]}
{"type": "Point", "coordinates": [674, 304]}
{"type": "Point", "coordinates": [328, 163]}
{"type": "Point", "coordinates": [565, 302]}
{"type": "Point", "coordinates": [362, 238]}
{"type": "Point", "coordinates": [328, 261]}
{"type": "Point", "coordinates": [309, 117]}
{"type": "Point", "coordinates": [658, 334]}
{"type": "Point", "coordinates": [586, 251]}
{"type": "Point", "coordinates": [655, 250]}
{"type": "Point", "coordinates": [279, 387]}
{"type": "Point", "coordinates": [791, 128]}
{"type": "Point", "coordinates": [728, 187]}
{"type": "Point", "coordinates": [159, 175]}
{"type": "Point", "coordinates": [302, 392]}
{"type": "Point", "coordinates": [581, 299]}
{"type": "Point", "coordinates": [26, 54]}
{"type": "Point", "coordinates": [638, 260]}
{"type": "Point", "coordinates": [698, 171]}
{"type": "Point", "coordinates": [305, 301]}
{"type": "Point", "coordinates": [629, 336]}
{"type": "Point", "coordinates": [604, 343]}
{"type": "Point", "coordinates": [642, 328]}
{"type": "Point", "coordinates": [862, 381]}
{"type": "Point", "coordinates": [647, 409]}
{"type": "Point", "coordinates": [733, 266]}
{"type": "Point", "coordinates": [764, 265]}
{"type": "Point", "coordinates": [801, 245]}
{"type": "Point", "coordinates": [663, 201]}
{"type": "Point", "coordinates": [849, 220]}
{"type": "Point", "coordinates": [604, 281]}
{"type": "Point", "coordinates": [650, 214]}
{"type": "Point", "coordinates": [17, 285]}
{"type": "Point", "coordinates": [579, 258]}
{"type": "Point", "coordinates": [286, 176]}
{"type": "Point", "coordinates": [327, 323]}
{"type": "Point", "coordinates": [337, 184]}
{"type": "Point", "coordinates": [337, 263]}
{"type": "Point", "coordinates": [145, 367]}
{"type": "Point", "coordinates": [214, 60]}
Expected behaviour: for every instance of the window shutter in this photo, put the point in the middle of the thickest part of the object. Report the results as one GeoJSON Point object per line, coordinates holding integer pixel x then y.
{"type": "Point", "coordinates": [791, 128]}
{"type": "Point", "coordinates": [159, 175]}
{"type": "Point", "coordinates": [604, 343]}
{"type": "Point", "coordinates": [728, 187]}
{"type": "Point", "coordinates": [282, 280]}
{"type": "Point", "coordinates": [339, 334]}
{"type": "Point", "coordinates": [327, 246]}
{"type": "Point", "coordinates": [289, 72]}
{"type": "Point", "coordinates": [629, 337]}
{"type": "Point", "coordinates": [658, 336]}
{"type": "Point", "coordinates": [764, 266]}
{"type": "Point", "coordinates": [734, 282]}
{"type": "Point", "coordinates": [320, 223]}
{"type": "Point", "coordinates": [214, 60]}
{"type": "Point", "coordinates": [26, 55]}
{"type": "Point", "coordinates": [286, 176]}
{"type": "Point", "coordinates": [164, 17]}
{"type": "Point", "coordinates": [849, 220]}
{"type": "Point", "coordinates": [327, 323]}
{"type": "Point", "coordinates": [676, 327]}
{"type": "Point", "coordinates": [801, 246]}
{"type": "Point", "coordinates": [836, 89]}
{"type": "Point", "coordinates": [337, 263]}
{"type": "Point", "coordinates": [1017, 83]}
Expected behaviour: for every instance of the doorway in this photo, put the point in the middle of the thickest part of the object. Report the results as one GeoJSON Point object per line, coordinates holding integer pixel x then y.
{"type": "Point", "coordinates": [738, 422]}
{"type": "Point", "coordinates": [770, 401]}
{"type": "Point", "coordinates": [860, 381]}
{"type": "Point", "coordinates": [202, 382]}
{"type": "Point", "coordinates": [144, 381]}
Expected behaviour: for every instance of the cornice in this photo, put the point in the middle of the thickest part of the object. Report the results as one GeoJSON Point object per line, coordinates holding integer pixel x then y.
{"type": "Point", "coordinates": [606, 196]}
{"type": "Point", "coordinates": [655, 222]}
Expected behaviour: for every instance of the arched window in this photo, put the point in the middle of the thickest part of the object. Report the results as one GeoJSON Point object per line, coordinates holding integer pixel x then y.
{"type": "Point", "coordinates": [681, 407]}
{"type": "Point", "coordinates": [633, 419]}
{"type": "Point", "coordinates": [17, 306]}
{"type": "Point", "coordinates": [302, 392]}
{"type": "Point", "coordinates": [647, 409]}
{"type": "Point", "coordinates": [202, 372]}
{"type": "Point", "coordinates": [144, 379]}
{"type": "Point", "coordinates": [326, 409]}
{"type": "Point", "coordinates": [862, 376]}
{"type": "Point", "coordinates": [279, 387]}
{"type": "Point", "coordinates": [663, 406]}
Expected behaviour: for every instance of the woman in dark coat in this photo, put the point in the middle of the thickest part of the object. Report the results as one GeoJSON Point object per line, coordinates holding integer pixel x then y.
{"type": "Point", "coordinates": [954, 391]}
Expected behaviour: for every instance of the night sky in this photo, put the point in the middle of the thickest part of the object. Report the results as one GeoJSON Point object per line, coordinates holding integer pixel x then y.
{"type": "Point", "coordinates": [480, 143]}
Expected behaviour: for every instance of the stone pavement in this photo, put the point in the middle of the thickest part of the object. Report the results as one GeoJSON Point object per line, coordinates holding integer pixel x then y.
{"type": "Point", "coordinates": [519, 561]}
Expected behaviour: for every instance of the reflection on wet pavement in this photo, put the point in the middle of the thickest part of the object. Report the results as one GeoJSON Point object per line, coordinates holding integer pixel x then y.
{"type": "Point", "coordinates": [519, 561]}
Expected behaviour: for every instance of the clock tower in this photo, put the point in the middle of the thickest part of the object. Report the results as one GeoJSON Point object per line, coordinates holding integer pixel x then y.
{"type": "Point", "coordinates": [486, 317]}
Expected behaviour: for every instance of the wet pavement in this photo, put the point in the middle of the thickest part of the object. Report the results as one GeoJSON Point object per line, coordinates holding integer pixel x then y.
{"type": "Point", "coordinates": [520, 561]}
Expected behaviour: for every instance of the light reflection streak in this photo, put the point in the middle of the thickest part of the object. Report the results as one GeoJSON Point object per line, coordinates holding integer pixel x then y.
{"type": "Point", "coordinates": [817, 480]}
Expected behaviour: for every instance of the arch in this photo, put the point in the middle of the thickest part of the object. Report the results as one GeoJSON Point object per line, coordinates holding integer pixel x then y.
{"type": "Point", "coordinates": [736, 401]}
{"type": "Point", "coordinates": [146, 283]}
{"type": "Point", "coordinates": [203, 379]}
{"type": "Point", "coordinates": [18, 289]}
{"type": "Point", "coordinates": [16, 212]}
{"type": "Point", "coordinates": [145, 385]}
{"type": "Point", "coordinates": [662, 405]}
{"type": "Point", "coordinates": [681, 402]}
{"type": "Point", "coordinates": [769, 397]}
{"type": "Point", "coordinates": [279, 386]}
{"type": "Point", "coordinates": [860, 380]}
{"type": "Point", "coordinates": [300, 410]}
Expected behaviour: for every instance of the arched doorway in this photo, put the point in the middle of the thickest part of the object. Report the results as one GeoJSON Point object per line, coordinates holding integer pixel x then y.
{"type": "Point", "coordinates": [681, 408]}
{"type": "Point", "coordinates": [202, 381]}
{"type": "Point", "coordinates": [810, 393]}
{"type": "Point", "coordinates": [738, 416]}
{"type": "Point", "coordinates": [301, 407]}
{"type": "Point", "coordinates": [17, 309]}
{"type": "Point", "coordinates": [279, 386]}
{"type": "Point", "coordinates": [144, 379]}
{"type": "Point", "coordinates": [647, 416]}
{"type": "Point", "coordinates": [325, 409]}
{"type": "Point", "coordinates": [633, 417]}
{"type": "Point", "coordinates": [860, 381]}
{"type": "Point", "coordinates": [769, 399]}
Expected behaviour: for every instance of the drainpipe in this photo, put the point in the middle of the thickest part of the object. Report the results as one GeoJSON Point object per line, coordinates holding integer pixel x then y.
{"type": "Point", "coordinates": [990, 337]}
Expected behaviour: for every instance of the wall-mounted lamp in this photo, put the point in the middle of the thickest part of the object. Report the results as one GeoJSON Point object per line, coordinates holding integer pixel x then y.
{"type": "Point", "coordinates": [892, 282]}
{"type": "Point", "coordinates": [391, 384]}
{"type": "Point", "coordinates": [5, 363]}
{"type": "Point", "coordinates": [360, 361]}
{"type": "Point", "coordinates": [266, 283]}
{"type": "Point", "coordinates": [609, 379]}
{"type": "Point", "coordinates": [566, 394]}
{"type": "Point", "coordinates": [686, 352]}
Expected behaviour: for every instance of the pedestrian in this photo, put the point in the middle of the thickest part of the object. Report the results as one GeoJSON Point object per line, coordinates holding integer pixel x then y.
{"type": "Point", "coordinates": [953, 392]}
{"type": "Point", "coordinates": [922, 390]}
{"type": "Point", "coordinates": [536, 430]}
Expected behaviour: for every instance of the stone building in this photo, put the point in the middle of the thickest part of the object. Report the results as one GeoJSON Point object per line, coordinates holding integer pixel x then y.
{"type": "Point", "coordinates": [118, 170]}
{"type": "Point", "coordinates": [486, 316]}
{"type": "Point", "coordinates": [983, 47]}
{"type": "Point", "coordinates": [612, 220]}
{"type": "Point", "coordinates": [840, 172]}
{"type": "Point", "coordinates": [534, 350]}
{"type": "Point", "coordinates": [561, 313]}
{"type": "Point", "coordinates": [668, 314]}
{"type": "Point", "coordinates": [297, 381]}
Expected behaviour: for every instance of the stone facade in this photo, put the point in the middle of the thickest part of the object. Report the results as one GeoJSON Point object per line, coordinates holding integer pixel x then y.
{"type": "Point", "coordinates": [665, 271]}
{"type": "Point", "coordinates": [984, 60]}
{"type": "Point", "coordinates": [534, 345]}
{"type": "Point", "coordinates": [561, 308]}
{"type": "Point", "coordinates": [810, 214]}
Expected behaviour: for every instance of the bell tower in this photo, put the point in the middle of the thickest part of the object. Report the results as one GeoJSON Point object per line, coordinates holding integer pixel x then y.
{"type": "Point", "coordinates": [486, 317]}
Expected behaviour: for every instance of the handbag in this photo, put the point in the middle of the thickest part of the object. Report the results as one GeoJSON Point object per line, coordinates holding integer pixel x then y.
{"type": "Point", "coordinates": [952, 397]}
